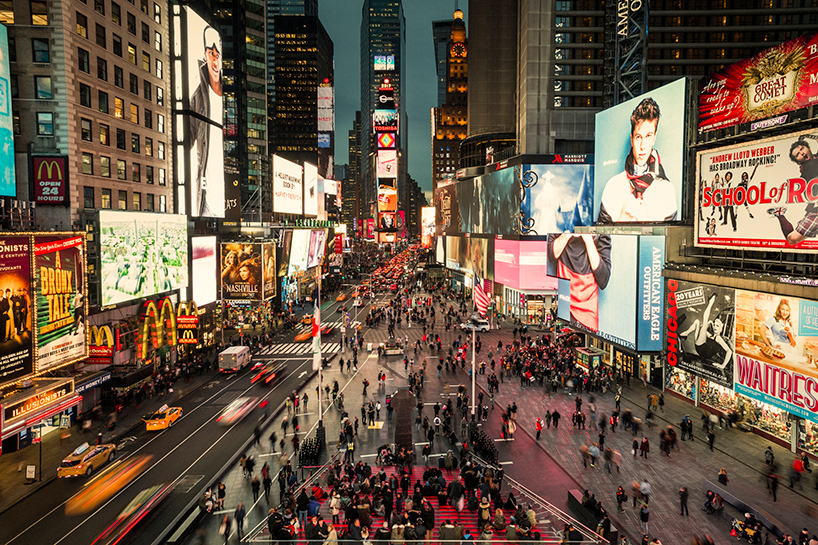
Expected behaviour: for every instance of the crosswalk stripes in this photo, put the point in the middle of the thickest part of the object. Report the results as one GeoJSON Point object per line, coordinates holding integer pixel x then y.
{"type": "Point", "coordinates": [298, 349]}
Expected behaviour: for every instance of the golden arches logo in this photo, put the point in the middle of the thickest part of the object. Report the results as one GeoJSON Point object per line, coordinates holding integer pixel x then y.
{"type": "Point", "coordinates": [101, 336]}
{"type": "Point", "coordinates": [158, 326]}
{"type": "Point", "coordinates": [187, 308]}
{"type": "Point", "coordinates": [49, 165]}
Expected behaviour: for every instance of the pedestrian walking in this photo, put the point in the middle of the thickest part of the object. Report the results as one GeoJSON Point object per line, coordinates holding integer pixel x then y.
{"type": "Point", "coordinates": [538, 425]}
{"type": "Point", "coordinates": [221, 492]}
{"type": "Point", "coordinates": [644, 448]}
{"type": "Point", "coordinates": [239, 515]}
{"type": "Point", "coordinates": [267, 482]}
{"type": "Point", "coordinates": [224, 528]}
{"type": "Point", "coordinates": [621, 498]}
{"type": "Point", "coordinates": [683, 494]}
{"type": "Point", "coordinates": [256, 487]}
{"type": "Point", "coordinates": [644, 516]}
{"type": "Point", "coordinates": [711, 438]}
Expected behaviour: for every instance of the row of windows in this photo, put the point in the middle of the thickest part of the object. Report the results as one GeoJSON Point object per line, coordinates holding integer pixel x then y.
{"type": "Point", "coordinates": [39, 12]}
{"type": "Point", "coordinates": [104, 131]}
{"type": "Point", "coordinates": [84, 57]}
{"type": "Point", "coordinates": [45, 124]}
{"type": "Point", "coordinates": [119, 108]}
{"type": "Point", "coordinates": [89, 200]}
{"type": "Point", "coordinates": [106, 165]}
{"type": "Point", "coordinates": [119, 78]}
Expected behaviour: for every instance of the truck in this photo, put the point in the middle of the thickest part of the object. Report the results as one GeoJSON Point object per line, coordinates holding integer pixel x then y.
{"type": "Point", "coordinates": [234, 359]}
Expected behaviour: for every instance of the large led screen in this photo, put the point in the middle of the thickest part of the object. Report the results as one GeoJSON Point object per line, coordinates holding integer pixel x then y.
{"type": "Point", "coordinates": [776, 351]}
{"type": "Point", "coordinates": [639, 157]}
{"type": "Point", "coordinates": [241, 271]}
{"type": "Point", "coordinates": [205, 265]}
{"type": "Point", "coordinates": [777, 80]}
{"type": "Point", "coordinates": [284, 256]}
{"type": "Point", "coordinates": [557, 197]}
{"type": "Point", "coordinates": [141, 254]}
{"type": "Point", "coordinates": [447, 210]}
{"type": "Point", "coordinates": [387, 221]}
{"type": "Point", "coordinates": [287, 186]}
{"type": "Point", "coordinates": [316, 250]}
{"type": "Point", "coordinates": [651, 289]}
{"type": "Point", "coordinates": [387, 195]}
{"type": "Point", "coordinates": [205, 145]}
{"type": "Point", "coordinates": [16, 359]}
{"type": "Point", "coordinates": [700, 332]}
{"type": "Point", "coordinates": [490, 203]}
{"type": "Point", "coordinates": [59, 299]}
{"type": "Point", "coordinates": [521, 264]}
{"type": "Point", "coordinates": [472, 255]}
{"type": "Point", "coordinates": [427, 226]}
{"type": "Point", "coordinates": [385, 120]}
{"type": "Point", "coordinates": [268, 259]}
{"type": "Point", "coordinates": [387, 164]}
{"type": "Point", "coordinates": [8, 186]}
{"type": "Point", "coordinates": [298, 251]}
{"type": "Point", "coordinates": [601, 271]}
{"type": "Point", "coordinates": [310, 189]}
{"type": "Point", "coordinates": [759, 195]}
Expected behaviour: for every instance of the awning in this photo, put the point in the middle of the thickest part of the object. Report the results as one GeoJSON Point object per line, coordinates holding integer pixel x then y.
{"type": "Point", "coordinates": [46, 412]}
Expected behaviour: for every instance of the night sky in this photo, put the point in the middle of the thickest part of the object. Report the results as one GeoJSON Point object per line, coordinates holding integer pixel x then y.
{"type": "Point", "coordinates": [342, 19]}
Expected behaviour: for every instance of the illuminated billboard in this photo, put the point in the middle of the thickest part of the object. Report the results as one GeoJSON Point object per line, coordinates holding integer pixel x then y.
{"type": "Point", "coordinates": [384, 62]}
{"type": "Point", "coordinates": [387, 164]}
{"type": "Point", "coordinates": [521, 264]}
{"type": "Point", "coordinates": [471, 255]}
{"type": "Point", "coordinates": [205, 266]}
{"type": "Point", "coordinates": [557, 196]}
{"type": "Point", "coordinates": [298, 251]}
{"type": "Point", "coordinates": [386, 98]}
{"type": "Point", "coordinates": [284, 243]}
{"type": "Point", "coordinates": [387, 221]}
{"type": "Point", "coordinates": [427, 226]}
{"type": "Point", "coordinates": [385, 140]}
{"type": "Point", "coordinates": [241, 271]}
{"type": "Point", "coordinates": [315, 254]}
{"type": "Point", "coordinates": [51, 178]}
{"type": "Point", "coordinates": [16, 358]}
{"type": "Point", "coordinates": [777, 80]}
{"type": "Point", "coordinates": [287, 186]}
{"type": "Point", "coordinates": [270, 272]}
{"type": "Point", "coordinates": [639, 156]}
{"type": "Point", "coordinates": [490, 204]}
{"type": "Point", "coordinates": [326, 109]}
{"type": "Point", "coordinates": [310, 189]}
{"type": "Point", "coordinates": [447, 210]}
{"type": "Point", "coordinates": [8, 185]}
{"type": "Point", "coordinates": [760, 195]}
{"type": "Point", "coordinates": [141, 254]}
{"type": "Point", "coordinates": [387, 195]}
{"type": "Point", "coordinates": [385, 120]}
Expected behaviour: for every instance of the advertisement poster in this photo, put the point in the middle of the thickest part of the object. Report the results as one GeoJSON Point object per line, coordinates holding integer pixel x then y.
{"type": "Point", "coordinates": [385, 140]}
{"type": "Point", "coordinates": [471, 255]}
{"type": "Point", "coordinates": [401, 219]}
{"type": "Point", "coordinates": [268, 258]}
{"type": "Point", "coordinates": [700, 331]}
{"type": "Point", "coordinates": [310, 189]}
{"type": "Point", "coordinates": [205, 147]}
{"type": "Point", "coordinates": [440, 250]}
{"type": "Point", "coordinates": [369, 228]}
{"type": "Point", "coordinates": [284, 243]}
{"type": "Point", "coordinates": [387, 164]}
{"type": "Point", "coordinates": [651, 293]}
{"type": "Point", "coordinates": [241, 271]}
{"type": "Point", "coordinates": [639, 157]}
{"type": "Point", "coordinates": [760, 195]}
{"type": "Point", "coordinates": [385, 120]}
{"type": "Point", "coordinates": [387, 221]}
{"type": "Point", "coordinates": [557, 197]}
{"type": "Point", "coordinates": [50, 179]}
{"type": "Point", "coordinates": [490, 203]}
{"type": "Point", "coordinates": [521, 264]}
{"type": "Point", "coordinates": [59, 300]}
{"type": "Point", "coordinates": [287, 186]}
{"type": "Point", "coordinates": [298, 251]}
{"type": "Point", "coordinates": [602, 272]}
{"type": "Point", "coordinates": [427, 226]}
{"type": "Point", "coordinates": [205, 267]}
{"type": "Point", "coordinates": [447, 218]}
{"type": "Point", "coordinates": [315, 255]}
{"type": "Point", "coordinates": [387, 195]}
{"type": "Point", "coordinates": [777, 80]}
{"type": "Point", "coordinates": [141, 254]}
{"type": "Point", "coordinates": [777, 351]}
{"type": "Point", "coordinates": [7, 180]}
{"type": "Point", "coordinates": [16, 359]}
{"type": "Point", "coordinates": [507, 262]}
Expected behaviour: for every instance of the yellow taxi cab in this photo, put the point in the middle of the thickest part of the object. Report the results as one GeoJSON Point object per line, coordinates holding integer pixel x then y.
{"type": "Point", "coordinates": [85, 459]}
{"type": "Point", "coordinates": [164, 418]}
{"type": "Point", "coordinates": [306, 319]}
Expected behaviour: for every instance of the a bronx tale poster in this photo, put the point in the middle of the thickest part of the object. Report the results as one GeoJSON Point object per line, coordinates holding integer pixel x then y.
{"type": "Point", "coordinates": [15, 319]}
{"type": "Point", "coordinates": [60, 300]}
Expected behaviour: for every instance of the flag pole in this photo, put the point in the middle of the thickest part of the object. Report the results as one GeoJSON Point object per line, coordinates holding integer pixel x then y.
{"type": "Point", "coordinates": [316, 353]}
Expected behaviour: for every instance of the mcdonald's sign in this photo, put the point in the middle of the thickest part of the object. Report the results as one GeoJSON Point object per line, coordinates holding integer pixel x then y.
{"type": "Point", "coordinates": [160, 325]}
{"type": "Point", "coordinates": [101, 341]}
{"type": "Point", "coordinates": [187, 321]}
{"type": "Point", "coordinates": [50, 179]}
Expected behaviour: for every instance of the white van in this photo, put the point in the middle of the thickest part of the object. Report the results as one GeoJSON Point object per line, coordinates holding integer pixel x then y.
{"type": "Point", "coordinates": [234, 359]}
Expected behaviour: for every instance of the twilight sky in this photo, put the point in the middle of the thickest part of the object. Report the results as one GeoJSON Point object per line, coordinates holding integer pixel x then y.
{"type": "Point", "coordinates": [342, 19]}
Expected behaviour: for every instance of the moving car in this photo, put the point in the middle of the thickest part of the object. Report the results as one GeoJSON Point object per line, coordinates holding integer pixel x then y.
{"type": "Point", "coordinates": [85, 459]}
{"type": "Point", "coordinates": [479, 325]}
{"type": "Point", "coordinates": [306, 319]}
{"type": "Point", "coordinates": [341, 297]}
{"type": "Point", "coordinates": [234, 358]}
{"type": "Point", "coordinates": [357, 303]}
{"type": "Point", "coordinates": [137, 510]}
{"type": "Point", "coordinates": [327, 330]}
{"type": "Point", "coordinates": [237, 410]}
{"type": "Point", "coordinates": [305, 336]}
{"type": "Point", "coordinates": [270, 372]}
{"type": "Point", "coordinates": [101, 488]}
{"type": "Point", "coordinates": [162, 419]}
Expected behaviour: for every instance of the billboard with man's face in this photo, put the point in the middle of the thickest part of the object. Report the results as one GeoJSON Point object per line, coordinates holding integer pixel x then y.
{"type": "Point", "coordinates": [241, 271]}
{"type": "Point", "coordinates": [16, 359]}
{"type": "Point", "coordinates": [639, 156]}
{"type": "Point", "coordinates": [759, 196]}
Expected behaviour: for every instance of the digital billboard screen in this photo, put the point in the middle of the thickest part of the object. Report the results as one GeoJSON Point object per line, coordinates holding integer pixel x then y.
{"type": "Point", "coordinates": [310, 190]}
{"type": "Point", "coordinates": [651, 289]}
{"type": "Point", "coordinates": [298, 251]}
{"type": "Point", "coordinates": [490, 203]}
{"type": "Point", "coordinates": [760, 195]}
{"type": "Point", "coordinates": [141, 254]}
{"type": "Point", "coordinates": [385, 120]}
{"type": "Point", "coordinates": [318, 240]}
{"type": "Point", "coordinates": [16, 358]}
{"type": "Point", "coordinates": [521, 264]}
{"type": "Point", "coordinates": [384, 62]}
{"type": "Point", "coordinates": [639, 155]}
{"type": "Point", "coordinates": [387, 195]}
{"type": "Point", "coordinates": [8, 185]}
{"type": "Point", "coordinates": [387, 164]}
{"type": "Point", "coordinates": [284, 256]}
{"type": "Point", "coordinates": [287, 186]}
{"type": "Point", "coordinates": [205, 145]}
{"type": "Point", "coordinates": [557, 197]}
{"type": "Point", "coordinates": [447, 210]}
{"type": "Point", "coordinates": [777, 80]}
{"type": "Point", "coordinates": [387, 221]}
{"type": "Point", "coordinates": [205, 267]}
{"type": "Point", "coordinates": [59, 299]}
{"type": "Point", "coordinates": [385, 140]}
{"type": "Point", "coordinates": [369, 228]}
{"type": "Point", "coordinates": [241, 272]}
{"type": "Point", "coordinates": [471, 255]}
{"type": "Point", "coordinates": [601, 270]}
{"type": "Point", "coordinates": [427, 226]}
{"type": "Point", "coordinates": [268, 260]}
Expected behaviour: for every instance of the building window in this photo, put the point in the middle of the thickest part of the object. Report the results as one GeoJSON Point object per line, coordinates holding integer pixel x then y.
{"type": "Point", "coordinates": [160, 96]}
{"type": "Point", "coordinates": [15, 86]}
{"type": "Point", "coordinates": [146, 33]}
{"type": "Point", "coordinates": [84, 60]}
{"type": "Point", "coordinates": [162, 207]}
{"type": "Point", "coordinates": [39, 13]}
{"type": "Point", "coordinates": [104, 134]}
{"type": "Point", "coordinates": [99, 6]}
{"type": "Point", "coordinates": [117, 41]}
{"type": "Point", "coordinates": [149, 147]}
{"type": "Point", "coordinates": [120, 169]}
{"type": "Point", "coordinates": [82, 25]}
{"type": "Point", "coordinates": [161, 176]}
{"type": "Point", "coordinates": [7, 12]}
{"type": "Point", "coordinates": [157, 13]}
{"type": "Point", "coordinates": [106, 198]}
{"type": "Point", "coordinates": [146, 90]}
{"type": "Point", "coordinates": [134, 84]}
{"type": "Point", "coordinates": [160, 150]}
{"type": "Point", "coordinates": [137, 172]}
{"type": "Point", "coordinates": [137, 201]}
{"type": "Point", "coordinates": [15, 122]}
{"type": "Point", "coordinates": [102, 69]}
{"type": "Point", "coordinates": [134, 143]}
{"type": "Point", "coordinates": [87, 163]}
{"type": "Point", "coordinates": [119, 77]}
{"type": "Point", "coordinates": [12, 49]}
{"type": "Point", "coordinates": [149, 202]}
{"type": "Point", "coordinates": [103, 101]}
{"type": "Point", "coordinates": [119, 108]}
{"type": "Point", "coordinates": [88, 197]}
{"type": "Point", "coordinates": [157, 41]}
{"type": "Point", "coordinates": [45, 124]}
{"type": "Point", "coordinates": [144, 7]}
{"type": "Point", "coordinates": [146, 62]}
{"type": "Point", "coordinates": [122, 201]}
{"type": "Point", "coordinates": [85, 129]}
{"type": "Point", "coordinates": [134, 114]}
{"type": "Point", "coordinates": [102, 40]}
{"type": "Point", "coordinates": [148, 174]}
{"type": "Point", "coordinates": [132, 54]}
{"type": "Point", "coordinates": [132, 23]}
{"type": "Point", "coordinates": [105, 166]}
{"type": "Point", "coordinates": [120, 139]}
{"type": "Point", "coordinates": [160, 123]}
{"type": "Point", "coordinates": [42, 87]}
{"type": "Point", "coordinates": [158, 69]}
{"type": "Point", "coordinates": [85, 95]}
{"type": "Point", "coordinates": [148, 119]}
{"type": "Point", "coordinates": [40, 50]}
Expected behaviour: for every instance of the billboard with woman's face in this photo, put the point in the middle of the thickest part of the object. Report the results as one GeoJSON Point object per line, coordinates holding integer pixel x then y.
{"type": "Point", "coordinates": [241, 271]}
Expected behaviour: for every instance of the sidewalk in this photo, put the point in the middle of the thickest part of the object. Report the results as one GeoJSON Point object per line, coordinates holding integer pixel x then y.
{"type": "Point", "coordinates": [13, 487]}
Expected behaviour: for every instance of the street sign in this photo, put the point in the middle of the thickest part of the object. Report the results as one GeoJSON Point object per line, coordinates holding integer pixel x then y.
{"type": "Point", "coordinates": [31, 472]}
{"type": "Point", "coordinates": [343, 330]}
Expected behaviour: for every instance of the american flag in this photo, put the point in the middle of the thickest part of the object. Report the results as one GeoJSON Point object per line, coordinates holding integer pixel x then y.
{"type": "Point", "coordinates": [481, 296]}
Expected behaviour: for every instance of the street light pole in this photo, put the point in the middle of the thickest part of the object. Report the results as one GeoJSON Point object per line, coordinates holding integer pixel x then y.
{"type": "Point", "coordinates": [473, 373]}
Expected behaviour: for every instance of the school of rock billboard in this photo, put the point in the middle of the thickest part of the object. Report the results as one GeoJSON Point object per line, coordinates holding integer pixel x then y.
{"type": "Point", "coordinates": [778, 80]}
{"type": "Point", "coordinates": [760, 195]}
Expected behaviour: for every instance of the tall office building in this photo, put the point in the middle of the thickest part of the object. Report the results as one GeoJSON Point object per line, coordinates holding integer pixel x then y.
{"type": "Point", "coordinates": [350, 188]}
{"type": "Point", "coordinates": [441, 32]}
{"type": "Point", "coordinates": [383, 42]}
{"type": "Point", "coordinates": [449, 119]}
